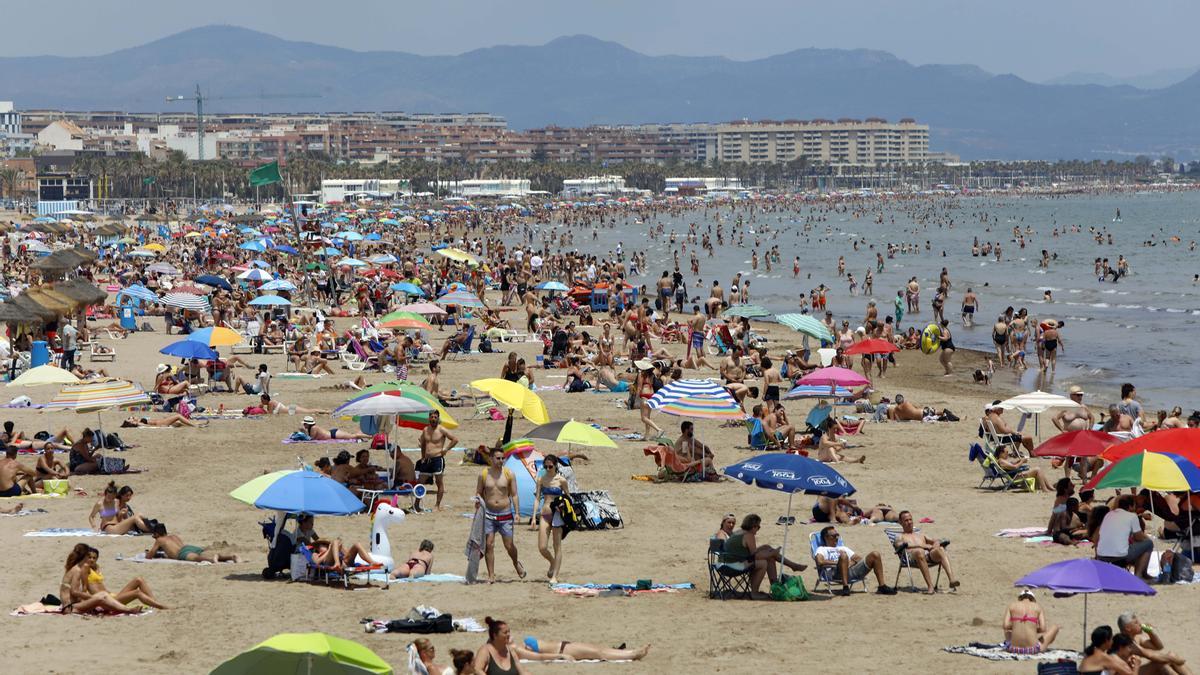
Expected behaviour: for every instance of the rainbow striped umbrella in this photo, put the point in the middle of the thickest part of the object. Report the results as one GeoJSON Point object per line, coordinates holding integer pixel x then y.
{"type": "Point", "coordinates": [1151, 470]}
{"type": "Point", "coordinates": [411, 420]}
{"type": "Point", "coordinates": [703, 399]}
{"type": "Point", "coordinates": [99, 395]}
{"type": "Point", "coordinates": [460, 298]}
{"type": "Point", "coordinates": [404, 319]}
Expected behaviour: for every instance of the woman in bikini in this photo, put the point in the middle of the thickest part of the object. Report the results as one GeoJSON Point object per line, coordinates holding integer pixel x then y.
{"type": "Point", "coordinates": [644, 386]}
{"type": "Point", "coordinates": [419, 563]}
{"type": "Point", "coordinates": [165, 385]}
{"type": "Point", "coordinates": [533, 649]}
{"type": "Point", "coordinates": [1025, 629]}
{"type": "Point", "coordinates": [551, 487]}
{"type": "Point", "coordinates": [108, 510]}
{"type": "Point", "coordinates": [137, 589]}
{"type": "Point", "coordinates": [73, 590]}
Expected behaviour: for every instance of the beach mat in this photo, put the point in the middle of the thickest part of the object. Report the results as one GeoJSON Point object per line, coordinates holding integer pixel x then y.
{"type": "Point", "coordinates": [141, 558]}
{"type": "Point", "coordinates": [23, 512]}
{"type": "Point", "coordinates": [995, 652]}
{"type": "Point", "coordinates": [1021, 532]}
{"type": "Point", "coordinates": [428, 578]}
{"type": "Point", "coordinates": [38, 609]}
{"type": "Point", "coordinates": [614, 590]}
{"type": "Point", "coordinates": [288, 441]}
{"type": "Point", "coordinates": [36, 495]}
{"type": "Point", "coordinates": [71, 532]}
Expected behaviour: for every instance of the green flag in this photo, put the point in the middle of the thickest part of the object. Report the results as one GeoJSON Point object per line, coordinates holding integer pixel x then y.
{"type": "Point", "coordinates": [265, 175]}
{"type": "Point", "coordinates": [148, 180]}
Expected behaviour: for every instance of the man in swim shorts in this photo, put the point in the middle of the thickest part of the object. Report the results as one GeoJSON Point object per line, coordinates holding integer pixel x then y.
{"type": "Point", "coordinates": [10, 471]}
{"type": "Point", "coordinates": [435, 442]}
{"type": "Point", "coordinates": [496, 491]}
{"type": "Point", "coordinates": [695, 356]}
{"type": "Point", "coordinates": [173, 548]}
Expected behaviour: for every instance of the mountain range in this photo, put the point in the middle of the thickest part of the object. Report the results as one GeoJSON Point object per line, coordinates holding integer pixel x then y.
{"type": "Point", "coordinates": [580, 80]}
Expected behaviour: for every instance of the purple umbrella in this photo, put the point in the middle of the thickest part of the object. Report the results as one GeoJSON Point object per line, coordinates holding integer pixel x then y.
{"type": "Point", "coordinates": [1084, 575]}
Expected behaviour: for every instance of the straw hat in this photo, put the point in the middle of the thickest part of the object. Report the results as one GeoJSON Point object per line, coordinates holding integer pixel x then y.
{"type": "Point", "coordinates": [643, 364]}
{"type": "Point", "coordinates": [308, 419]}
{"type": "Point", "coordinates": [1075, 389]}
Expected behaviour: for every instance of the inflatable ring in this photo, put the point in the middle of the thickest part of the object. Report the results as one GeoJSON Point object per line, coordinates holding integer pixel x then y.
{"type": "Point", "coordinates": [931, 338]}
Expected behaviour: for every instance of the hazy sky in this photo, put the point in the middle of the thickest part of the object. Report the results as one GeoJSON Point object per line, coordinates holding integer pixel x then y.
{"type": "Point", "coordinates": [1035, 39]}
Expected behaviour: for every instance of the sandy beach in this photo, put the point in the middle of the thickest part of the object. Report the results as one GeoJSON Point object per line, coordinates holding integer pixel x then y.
{"type": "Point", "coordinates": [220, 610]}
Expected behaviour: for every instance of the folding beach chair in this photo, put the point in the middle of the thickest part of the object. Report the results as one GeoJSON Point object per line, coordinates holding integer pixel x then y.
{"type": "Point", "coordinates": [902, 553]}
{"type": "Point", "coordinates": [993, 442]}
{"type": "Point", "coordinates": [465, 347]}
{"type": "Point", "coordinates": [315, 572]}
{"type": "Point", "coordinates": [993, 473]}
{"type": "Point", "coordinates": [757, 436]}
{"type": "Point", "coordinates": [727, 579]}
{"type": "Point", "coordinates": [827, 574]}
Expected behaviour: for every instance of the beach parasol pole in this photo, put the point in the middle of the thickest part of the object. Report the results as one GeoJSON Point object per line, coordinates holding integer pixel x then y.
{"type": "Point", "coordinates": [787, 524]}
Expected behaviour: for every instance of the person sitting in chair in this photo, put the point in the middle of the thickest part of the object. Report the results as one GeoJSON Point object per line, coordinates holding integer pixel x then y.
{"type": "Point", "coordinates": [923, 551]}
{"type": "Point", "coordinates": [851, 566]}
{"type": "Point", "coordinates": [741, 547]}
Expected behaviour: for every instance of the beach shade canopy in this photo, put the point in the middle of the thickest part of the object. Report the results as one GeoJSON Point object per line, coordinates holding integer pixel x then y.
{"type": "Point", "coordinates": [278, 285]}
{"type": "Point", "coordinates": [216, 336]}
{"type": "Point", "coordinates": [516, 397]}
{"type": "Point", "coordinates": [412, 420]}
{"type": "Point", "coordinates": [552, 286]}
{"type": "Point", "coordinates": [1037, 402]}
{"type": "Point", "coordinates": [407, 288]}
{"type": "Point", "coordinates": [195, 303]}
{"type": "Point", "coordinates": [1182, 442]}
{"type": "Point", "coordinates": [382, 404]}
{"type": "Point", "coordinates": [748, 311]}
{"type": "Point", "coordinates": [872, 346]}
{"type": "Point", "coordinates": [99, 395]}
{"type": "Point", "coordinates": [1086, 576]}
{"type": "Point", "coordinates": [808, 325]}
{"type": "Point", "coordinates": [189, 349]}
{"type": "Point", "coordinates": [817, 391]}
{"type": "Point", "coordinates": [214, 281]}
{"type": "Point", "coordinates": [1161, 471]}
{"type": "Point", "coordinates": [792, 474]}
{"type": "Point", "coordinates": [255, 245]}
{"type": "Point", "coordinates": [139, 292]}
{"type": "Point", "coordinates": [703, 399]}
{"type": "Point", "coordinates": [1085, 443]}
{"type": "Point", "coordinates": [460, 298]}
{"type": "Point", "coordinates": [423, 308]}
{"type": "Point", "coordinates": [44, 374]}
{"type": "Point", "coordinates": [573, 433]}
{"type": "Point", "coordinates": [269, 300]}
{"type": "Point", "coordinates": [834, 377]}
{"type": "Point", "coordinates": [457, 255]}
{"type": "Point", "coordinates": [299, 492]}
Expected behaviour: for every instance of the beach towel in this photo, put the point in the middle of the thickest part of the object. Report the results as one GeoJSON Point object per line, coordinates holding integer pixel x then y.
{"type": "Point", "coordinates": [71, 532]}
{"type": "Point", "coordinates": [474, 548]}
{"type": "Point", "coordinates": [380, 575]}
{"type": "Point", "coordinates": [38, 495]}
{"type": "Point", "coordinates": [288, 441]}
{"type": "Point", "coordinates": [23, 512]}
{"type": "Point", "coordinates": [420, 616]}
{"type": "Point", "coordinates": [596, 510]}
{"type": "Point", "coordinates": [141, 558]}
{"type": "Point", "coordinates": [611, 590]}
{"type": "Point", "coordinates": [298, 376]}
{"type": "Point", "coordinates": [994, 652]}
{"type": "Point", "coordinates": [1021, 532]}
{"type": "Point", "coordinates": [37, 608]}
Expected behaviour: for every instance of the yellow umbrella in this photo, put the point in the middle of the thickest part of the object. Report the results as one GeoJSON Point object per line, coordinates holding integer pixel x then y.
{"type": "Point", "coordinates": [457, 255]}
{"type": "Point", "coordinates": [193, 234]}
{"type": "Point", "coordinates": [157, 247]}
{"type": "Point", "coordinates": [46, 374]}
{"type": "Point", "coordinates": [217, 336]}
{"type": "Point", "coordinates": [515, 396]}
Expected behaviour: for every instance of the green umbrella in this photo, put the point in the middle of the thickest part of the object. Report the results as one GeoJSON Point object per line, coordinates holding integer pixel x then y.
{"type": "Point", "coordinates": [806, 324]}
{"type": "Point", "coordinates": [315, 266]}
{"type": "Point", "coordinates": [410, 390]}
{"type": "Point", "coordinates": [309, 653]}
{"type": "Point", "coordinates": [748, 311]}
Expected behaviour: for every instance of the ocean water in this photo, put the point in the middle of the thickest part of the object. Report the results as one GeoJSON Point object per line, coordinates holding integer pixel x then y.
{"type": "Point", "coordinates": [1142, 329]}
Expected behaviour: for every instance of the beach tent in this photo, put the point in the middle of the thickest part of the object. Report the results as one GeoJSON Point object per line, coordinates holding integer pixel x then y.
{"type": "Point", "coordinates": [524, 463]}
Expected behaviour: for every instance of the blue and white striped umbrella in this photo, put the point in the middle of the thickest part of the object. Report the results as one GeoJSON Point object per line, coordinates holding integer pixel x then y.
{"type": "Point", "coordinates": [255, 274]}
{"type": "Point", "coordinates": [350, 262]}
{"type": "Point", "coordinates": [266, 300]}
{"type": "Point", "coordinates": [278, 285]}
{"type": "Point", "coordinates": [186, 301]}
{"type": "Point", "coordinates": [139, 292]}
{"type": "Point", "coordinates": [697, 398]}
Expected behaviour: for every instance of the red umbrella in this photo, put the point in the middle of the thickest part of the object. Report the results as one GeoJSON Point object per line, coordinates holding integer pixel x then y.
{"type": "Point", "coordinates": [1085, 443]}
{"type": "Point", "coordinates": [1182, 442]}
{"type": "Point", "coordinates": [872, 346]}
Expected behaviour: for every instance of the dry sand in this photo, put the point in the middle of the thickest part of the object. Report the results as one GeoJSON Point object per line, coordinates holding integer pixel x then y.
{"type": "Point", "coordinates": [219, 611]}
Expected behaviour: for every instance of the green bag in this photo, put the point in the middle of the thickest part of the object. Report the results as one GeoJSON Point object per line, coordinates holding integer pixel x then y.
{"type": "Point", "coordinates": [789, 589]}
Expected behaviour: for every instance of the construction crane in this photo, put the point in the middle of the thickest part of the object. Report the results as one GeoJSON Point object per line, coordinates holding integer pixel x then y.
{"type": "Point", "coordinates": [200, 98]}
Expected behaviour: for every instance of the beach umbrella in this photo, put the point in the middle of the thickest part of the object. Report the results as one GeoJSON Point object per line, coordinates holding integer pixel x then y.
{"type": "Point", "coordinates": [156, 247]}
{"type": "Point", "coordinates": [457, 255]}
{"type": "Point", "coordinates": [140, 253]}
{"type": "Point", "coordinates": [256, 245]}
{"type": "Point", "coordinates": [299, 492]}
{"type": "Point", "coordinates": [315, 266]}
{"type": "Point", "coordinates": [572, 433]}
{"type": "Point", "coordinates": [329, 250]}
{"type": "Point", "coordinates": [701, 399]}
{"type": "Point", "coordinates": [1035, 403]}
{"type": "Point", "coordinates": [216, 336]}
{"type": "Point", "coordinates": [97, 395]}
{"type": "Point", "coordinates": [255, 274]}
{"type": "Point", "coordinates": [191, 288]}
{"type": "Point", "coordinates": [1183, 442]}
{"type": "Point", "coordinates": [307, 654]}
{"type": "Point", "coordinates": [872, 346]}
{"type": "Point", "coordinates": [269, 300]}
{"type": "Point", "coordinates": [1086, 576]}
{"type": "Point", "coordinates": [817, 391]}
{"type": "Point", "coordinates": [400, 319]}
{"type": "Point", "coordinates": [407, 288]}
{"type": "Point", "coordinates": [348, 236]}
{"type": "Point", "coordinates": [552, 286]}
{"type": "Point", "coordinates": [44, 374]}
{"type": "Point", "coordinates": [516, 397]}
{"type": "Point", "coordinates": [834, 377]}
{"type": "Point", "coordinates": [189, 349]}
{"type": "Point", "coordinates": [164, 268]}
{"type": "Point", "coordinates": [747, 311]}
{"type": "Point", "coordinates": [261, 264]}
{"type": "Point", "coordinates": [412, 420]}
{"type": "Point", "coordinates": [1085, 443]}
{"type": "Point", "coordinates": [284, 248]}
{"type": "Point", "coordinates": [383, 259]}
{"type": "Point", "coordinates": [1161, 471]}
{"type": "Point", "coordinates": [139, 292]}
{"type": "Point", "coordinates": [186, 301]}
{"type": "Point", "coordinates": [350, 262]}
{"type": "Point", "coordinates": [792, 474]}
{"type": "Point", "coordinates": [808, 325]}
{"type": "Point", "coordinates": [382, 404]}
{"type": "Point", "coordinates": [278, 285]}
{"type": "Point", "coordinates": [423, 308]}
{"type": "Point", "coordinates": [460, 298]}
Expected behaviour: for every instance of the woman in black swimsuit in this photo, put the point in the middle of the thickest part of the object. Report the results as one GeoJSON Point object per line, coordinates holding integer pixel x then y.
{"type": "Point", "coordinates": [946, 342]}
{"type": "Point", "coordinates": [496, 656]}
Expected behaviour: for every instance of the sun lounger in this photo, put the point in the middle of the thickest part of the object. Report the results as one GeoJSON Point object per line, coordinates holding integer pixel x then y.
{"type": "Point", "coordinates": [98, 353]}
{"type": "Point", "coordinates": [993, 473]}
{"type": "Point", "coordinates": [670, 466]}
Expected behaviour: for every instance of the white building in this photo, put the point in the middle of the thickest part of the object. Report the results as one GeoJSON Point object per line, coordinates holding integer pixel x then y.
{"type": "Point", "coordinates": [674, 185]}
{"type": "Point", "coordinates": [10, 119]}
{"type": "Point", "coordinates": [575, 187]}
{"type": "Point", "coordinates": [62, 135]}
{"type": "Point", "coordinates": [341, 190]}
{"type": "Point", "coordinates": [492, 187]}
{"type": "Point", "coordinates": [172, 137]}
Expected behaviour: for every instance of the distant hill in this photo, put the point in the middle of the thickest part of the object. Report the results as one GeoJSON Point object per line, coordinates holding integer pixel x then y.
{"type": "Point", "coordinates": [1157, 79]}
{"type": "Point", "coordinates": [580, 80]}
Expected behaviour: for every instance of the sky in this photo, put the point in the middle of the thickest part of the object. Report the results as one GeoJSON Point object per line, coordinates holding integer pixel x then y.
{"type": "Point", "coordinates": [1035, 39]}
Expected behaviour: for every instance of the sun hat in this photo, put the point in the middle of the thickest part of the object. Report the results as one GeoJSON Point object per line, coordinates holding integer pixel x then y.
{"type": "Point", "coordinates": [308, 419]}
{"type": "Point", "coordinates": [643, 364]}
{"type": "Point", "coordinates": [1075, 389]}
{"type": "Point", "coordinates": [162, 368]}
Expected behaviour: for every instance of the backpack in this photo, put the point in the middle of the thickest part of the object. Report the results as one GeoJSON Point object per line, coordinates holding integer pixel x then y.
{"type": "Point", "coordinates": [1181, 569]}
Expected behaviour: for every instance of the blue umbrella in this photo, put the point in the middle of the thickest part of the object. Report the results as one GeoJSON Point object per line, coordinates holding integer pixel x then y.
{"type": "Point", "coordinates": [214, 281]}
{"type": "Point", "coordinates": [278, 285]}
{"type": "Point", "coordinates": [286, 249]}
{"type": "Point", "coordinates": [328, 250]}
{"type": "Point", "coordinates": [255, 245]}
{"type": "Point", "coordinates": [264, 300]}
{"type": "Point", "coordinates": [552, 286]}
{"type": "Point", "coordinates": [791, 474]}
{"type": "Point", "coordinates": [190, 349]}
{"type": "Point", "coordinates": [407, 288]}
{"type": "Point", "coordinates": [258, 262]}
{"type": "Point", "coordinates": [299, 492]}
{"type": "Point", "coordinates": [139, 292]}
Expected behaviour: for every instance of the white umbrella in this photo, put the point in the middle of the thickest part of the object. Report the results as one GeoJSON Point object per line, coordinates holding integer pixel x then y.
{"type": "Point", "coordinates": [1036, 402]}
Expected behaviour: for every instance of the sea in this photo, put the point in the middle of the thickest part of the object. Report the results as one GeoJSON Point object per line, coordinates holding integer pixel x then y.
{"type": "Point", "coordinates": [1137, 329]}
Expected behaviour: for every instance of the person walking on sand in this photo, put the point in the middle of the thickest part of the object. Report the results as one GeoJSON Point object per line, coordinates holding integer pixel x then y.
{"type": "Point", "coordinates": [552, 490]}
{"type": "Point", "coordinates": [496, 490]}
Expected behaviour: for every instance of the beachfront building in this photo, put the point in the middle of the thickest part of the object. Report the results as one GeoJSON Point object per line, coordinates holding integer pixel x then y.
{"type": "Point", "coordinates": [700, 185]}
{"type": "Point", "coordinates": [490, 187]}
{"type": "Point", "coordinates": [580, 187]}
{"type": "Point", "coordinates": [342, 190]}
{"type": "Point", "coordinates": [10, 119]}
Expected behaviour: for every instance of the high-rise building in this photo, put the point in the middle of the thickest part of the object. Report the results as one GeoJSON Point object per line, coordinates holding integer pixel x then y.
{"type": "Point", "coordinates": [10, 119]}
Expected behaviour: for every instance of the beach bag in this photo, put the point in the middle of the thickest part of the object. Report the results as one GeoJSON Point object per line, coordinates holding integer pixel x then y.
{"type": "Point", "coordinates": [299, 437]}
{"type": "Point", "coordinates": [443, 623]}
{"type": "Point", "coordinates": [1181, 569]}
{"type": "Point", "coordinates": [56, 486]}
{"type": "Point", "coordinates": [184, 408]}
{"type": "Point", "coordinates": [112, 465]}
{"type": "Point", "coordinates": [485, 345]}
{"type": "Point", "coordinates": [789, 589]}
